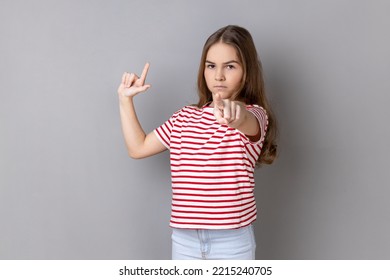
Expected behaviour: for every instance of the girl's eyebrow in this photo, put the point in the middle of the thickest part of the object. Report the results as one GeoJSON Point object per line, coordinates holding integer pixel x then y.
{"type": "Point", "coordinates": [227, 62]}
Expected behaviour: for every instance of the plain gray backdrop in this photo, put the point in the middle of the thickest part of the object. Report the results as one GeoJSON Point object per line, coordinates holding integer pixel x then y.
{"type": "Point", "coordinates": [68, 190]}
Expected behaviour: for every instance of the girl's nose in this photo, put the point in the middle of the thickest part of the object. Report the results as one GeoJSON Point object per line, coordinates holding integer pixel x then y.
{"type": "Point", "coordinates": [219, 76]}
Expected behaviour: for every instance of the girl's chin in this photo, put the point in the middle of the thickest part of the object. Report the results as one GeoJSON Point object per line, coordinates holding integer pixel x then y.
{"type": "Point", "coordinates": [223, 94]}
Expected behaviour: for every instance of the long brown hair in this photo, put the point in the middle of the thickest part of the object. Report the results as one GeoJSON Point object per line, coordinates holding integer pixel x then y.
{"type": "Point", "coordinates": [252, 87]}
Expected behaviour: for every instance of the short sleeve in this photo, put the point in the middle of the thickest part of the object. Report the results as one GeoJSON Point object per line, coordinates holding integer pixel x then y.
{"type": "Point", "coordinates": [163, 132]}
{"type": "Point", "coordinates": [262, 117]}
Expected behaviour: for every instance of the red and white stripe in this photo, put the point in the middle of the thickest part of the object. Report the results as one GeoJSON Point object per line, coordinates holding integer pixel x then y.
{"type": "Point", "coordinates": [212, 168]}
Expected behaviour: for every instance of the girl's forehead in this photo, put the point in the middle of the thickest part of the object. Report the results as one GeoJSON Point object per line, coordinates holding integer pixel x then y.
{"type": "Point", "coordinates": [222, 51]}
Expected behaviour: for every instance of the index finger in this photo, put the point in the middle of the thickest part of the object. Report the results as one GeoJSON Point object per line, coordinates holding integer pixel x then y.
{"type": "Point", "coordinates": [144, 73]}
{"type": "Point", "coordinates": [218, 102]}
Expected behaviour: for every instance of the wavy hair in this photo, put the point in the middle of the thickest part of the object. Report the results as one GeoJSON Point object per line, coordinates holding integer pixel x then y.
{"type": "Point", "coordinates": [252, 90]}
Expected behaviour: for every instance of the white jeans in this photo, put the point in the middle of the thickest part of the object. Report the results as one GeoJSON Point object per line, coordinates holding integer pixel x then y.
{"type": "Point", "coordinates": [213, 244]}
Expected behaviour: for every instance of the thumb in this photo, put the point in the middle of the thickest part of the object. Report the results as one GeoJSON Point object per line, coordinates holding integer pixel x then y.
{"type": "Point", "coordinates": [145, 88]}
{"type": "Point", "coordinates": [134, 91]}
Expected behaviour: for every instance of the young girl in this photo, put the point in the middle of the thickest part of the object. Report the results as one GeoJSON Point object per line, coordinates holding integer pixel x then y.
{"type": "Point", "coordinates": [214, 148]}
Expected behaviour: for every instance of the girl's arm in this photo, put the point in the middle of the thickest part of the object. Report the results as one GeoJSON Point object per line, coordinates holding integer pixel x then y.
{"type": "Point", "coordinates": [139, 145]}
{"type": "Point", "coordinates": [235, 114]}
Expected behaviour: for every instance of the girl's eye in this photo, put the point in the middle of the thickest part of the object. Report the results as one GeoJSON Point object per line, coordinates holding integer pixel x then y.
{"type": "Point", "coordinates": [230, 67]}
{"type": "Point", "coordinates": [210, 66]}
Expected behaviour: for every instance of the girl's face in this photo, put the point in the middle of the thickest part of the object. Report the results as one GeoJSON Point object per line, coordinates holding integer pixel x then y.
{"type": "Point", "coordinates": [223, 70]}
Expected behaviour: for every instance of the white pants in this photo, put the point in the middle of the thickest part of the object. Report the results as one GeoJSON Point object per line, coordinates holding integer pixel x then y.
{"type": "Point", "coordinates": [213, 244]}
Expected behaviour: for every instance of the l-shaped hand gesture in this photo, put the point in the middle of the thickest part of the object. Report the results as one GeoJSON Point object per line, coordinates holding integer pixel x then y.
{"type": "Point", "coordinates": [131, 84]}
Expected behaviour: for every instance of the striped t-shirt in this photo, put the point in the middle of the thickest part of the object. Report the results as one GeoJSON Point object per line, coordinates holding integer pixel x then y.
{"type": "Point", "coordinates": [212, 168]}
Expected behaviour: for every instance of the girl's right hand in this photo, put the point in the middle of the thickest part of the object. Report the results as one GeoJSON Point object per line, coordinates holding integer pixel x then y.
{"type": "Point", "coordinates": [131, 84]}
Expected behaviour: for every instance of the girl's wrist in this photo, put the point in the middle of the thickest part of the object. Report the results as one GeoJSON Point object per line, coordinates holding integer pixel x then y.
{"type": "Point", "coordinates": [125, 101]}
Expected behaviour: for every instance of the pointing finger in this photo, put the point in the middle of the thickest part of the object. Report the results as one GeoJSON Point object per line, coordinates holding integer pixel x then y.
{"type": "Point", "coordinates": [218, 102]}
{"type": "Point", "coordinates": [144, 73]}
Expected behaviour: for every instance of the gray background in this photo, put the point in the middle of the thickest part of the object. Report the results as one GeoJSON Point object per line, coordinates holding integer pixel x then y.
{"type": "Point", "coordinates": [68, 189]}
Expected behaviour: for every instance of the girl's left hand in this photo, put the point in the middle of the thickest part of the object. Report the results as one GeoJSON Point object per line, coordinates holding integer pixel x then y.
{"type": "Point", "coordinates": [231, 113]}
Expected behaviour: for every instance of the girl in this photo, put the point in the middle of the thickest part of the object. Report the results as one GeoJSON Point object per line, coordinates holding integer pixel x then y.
{"type": "Point", "coordinates": [214, 148]}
